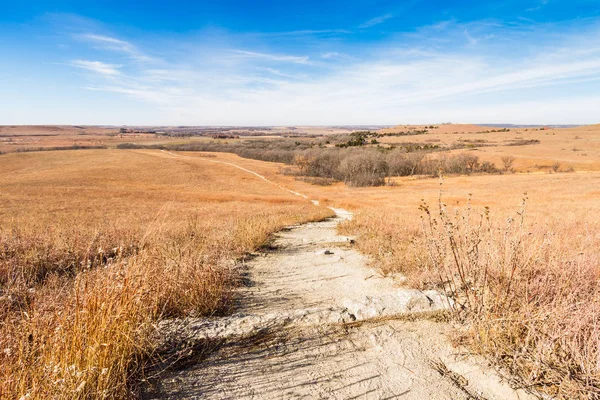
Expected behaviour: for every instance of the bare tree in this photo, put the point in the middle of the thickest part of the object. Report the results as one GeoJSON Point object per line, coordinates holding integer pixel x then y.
{"type": "Point", "coordinates": [508, 161]}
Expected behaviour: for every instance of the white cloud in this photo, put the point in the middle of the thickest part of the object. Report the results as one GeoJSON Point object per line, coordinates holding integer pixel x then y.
{"type": "Point", "coordinates": [367, 92]}
{"type": "Point", "coordinates": [283, 74]}
{"type": "Point", "coordinates": [114, 44]}
{"type": "Point", "coordinates": [400, 81]}
{"type": "Point", "coordinates": [109, 42]}
{"type": "Point", "coordinates": [271, 57]}
{"type": "Point", "coordinates": [98, 67]}
{"type": "Point", "coordinates": [470, 38]}
{"type": "Point", "coordinates": [375, 21]}
{"type": "Point", "coordinates": [308, 32]}
{"type": "Point", "coordinates": [331, 54]}
{"type": "Point", "coordinates": [540, 4]}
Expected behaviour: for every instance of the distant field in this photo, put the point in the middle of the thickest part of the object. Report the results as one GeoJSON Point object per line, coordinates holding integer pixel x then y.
{"type": "Point", "coordinates": [578, 147]}
{"type": "Point", "coordinates": [534, 149]}
{"type": "Point", "coordinates": [16, 138]}
{"type": "Point", "coordinates": [26, 137]}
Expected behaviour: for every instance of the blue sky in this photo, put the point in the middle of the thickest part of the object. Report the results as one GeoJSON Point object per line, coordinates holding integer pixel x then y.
{"type": "Point", "coordinates": [299, 62]}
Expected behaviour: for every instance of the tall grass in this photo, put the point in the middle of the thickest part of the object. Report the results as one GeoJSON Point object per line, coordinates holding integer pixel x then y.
{"type": "Point", "coordinates": [527, 294]}
{"type": "Point", "coordinates": [532, 298]}
{"type": "Point", "coordinates": [78, 307]}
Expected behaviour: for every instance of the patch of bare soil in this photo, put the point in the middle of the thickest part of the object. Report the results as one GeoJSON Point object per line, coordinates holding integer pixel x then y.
{"type": "Point", "coordinates": [315, 322]}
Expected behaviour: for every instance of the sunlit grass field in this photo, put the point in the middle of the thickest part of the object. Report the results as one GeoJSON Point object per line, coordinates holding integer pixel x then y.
{"type": "Point", "coordinates": [97, 245]}
{"type": "Point", "coordinates": [519, 252]}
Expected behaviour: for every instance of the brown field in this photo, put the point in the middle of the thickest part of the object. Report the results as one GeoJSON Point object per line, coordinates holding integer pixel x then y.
{"type": "Point", "coordinates": [18, 138]}
{"type": "Point", "coordinates": [577, 148]}
{"type": "Point", "coordinates": [15, 138]}
{"type": "Point", "coordinates": [440, 129]}
{"type": "Point", "coordinates": [147, 235]}
{"type": "Point", "coordinates": [545, 329]}
{"type": "Point", "coordinates": [96, 245]}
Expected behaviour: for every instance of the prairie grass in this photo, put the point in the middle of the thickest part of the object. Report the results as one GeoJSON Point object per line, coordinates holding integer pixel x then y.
{"type": "Point", "coordinates": [97, 246]}
{"type": "Point", "coordinates": [528, 146]}
{"type": "Point", "coordinates": [531, 295]}
{"type": "Point", "coordinates": [531, 278]}
{"type": "Point", "coordinates": [524, 276]}
{"type": "Point", "coordinates": [135, 236]}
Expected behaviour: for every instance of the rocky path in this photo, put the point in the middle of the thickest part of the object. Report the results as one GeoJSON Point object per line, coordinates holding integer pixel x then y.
{"type": "Point", "coordinates": [315, 322]}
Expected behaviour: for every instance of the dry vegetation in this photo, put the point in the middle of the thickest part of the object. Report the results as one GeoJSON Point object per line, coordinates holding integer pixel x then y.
{"type": "Point", "coordinates": [351, 159]}
{"type": "Point", "coordinates": [577, 148]}
{"type": "Point", "coordinates": [89, 260]}
{"type": "Point", "coordinates": [526, 283]}
{"type": "Point", "coordinates": [368, 158]}
{"type": "Point", "coordinates": [97, 245]}
{"type": "Point", "coordinates": [524, 273]}
{"type": "Point", "coordinates": [30, 138]}
{"type": "Point", "coordinates": [18, 138]}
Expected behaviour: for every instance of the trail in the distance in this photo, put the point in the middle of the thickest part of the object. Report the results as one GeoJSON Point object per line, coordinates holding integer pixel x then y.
{"type": "Point", "coordinates": [315, 322]}
{"type": "Point", "coordinates": [241, 168]}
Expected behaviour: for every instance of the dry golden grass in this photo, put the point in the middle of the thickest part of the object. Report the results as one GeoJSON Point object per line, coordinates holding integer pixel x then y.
{"type": "Point", "coordinates": [536, 311]}
{"type": "Point", "coordinates": [529, 294]}
{"type": "Point", "coordinates": [97, 245]}
{"type": "Point", "coordinates": [438, 129]}
{"type": "Point", "coordinates": [577, 148]}
{"type": "Point", "coordinates": [34, 137]}
{"type": "Point", "coordinates": [533, 288]}
{"type": "Point", "coordinates": [15, 138]}
{"type": "Point", "coordinates": [530, 291]}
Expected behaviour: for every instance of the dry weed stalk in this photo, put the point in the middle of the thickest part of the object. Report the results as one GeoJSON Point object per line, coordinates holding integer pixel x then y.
{"type": "Point", "coordinates": [529, 305]}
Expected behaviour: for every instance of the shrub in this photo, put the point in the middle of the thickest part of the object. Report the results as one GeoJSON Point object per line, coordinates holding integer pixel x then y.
{"type": "Point", "coordinates": [461, 164]}
{"type": "Point", "coordinates": [130, 146]}
{"type": "Point", "coordinates": [404, 164]}
{"type": "Point", "coordinates": [323, 163]}
{"type": "Point", "coordinates": [507, 162]}
{"type": "Point", "coordinates": [488, 168]}
{"type": "Point", "coordinates": [302, 161]}
{"type": "Point", "coordinates": [364, 169]}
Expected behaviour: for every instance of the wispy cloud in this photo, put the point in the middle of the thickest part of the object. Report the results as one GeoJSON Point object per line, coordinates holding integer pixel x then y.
{"type": "Point", "coordinates": [109, 42]}
{"type": "Point", "coordinates": [470, 38]}
{"type": "Point", "coordinates": [271, 57]}
{"type": "Point", "coordinates": [361, 92]}
{"type": "Point", "coordinates": [283, 74]}
{"type": "Point", "coordinates": [383, 84]}
{"type": "Point", "coordinates": [308, 32]}
{"type": "Point", "coordinates": [114, 44]}
{"type": "Point", "coordinates": [375, 21]}
{"type": "Point", "coordinates": [540, 4]}
{"type": "Point", "coordinates": [97, 67]}
{"type": "Point", "coordinates": [331, 54]}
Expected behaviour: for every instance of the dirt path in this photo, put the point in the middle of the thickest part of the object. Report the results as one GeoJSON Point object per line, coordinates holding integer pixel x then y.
{"type": "Point", "coordinates": [259, 176]}
{"type": "Point", "coordinates": [315, 322]}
